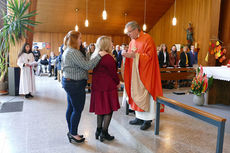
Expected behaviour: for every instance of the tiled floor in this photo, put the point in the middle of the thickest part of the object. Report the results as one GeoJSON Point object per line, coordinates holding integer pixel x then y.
{"type": "Point", "coordinates": [41, 128]}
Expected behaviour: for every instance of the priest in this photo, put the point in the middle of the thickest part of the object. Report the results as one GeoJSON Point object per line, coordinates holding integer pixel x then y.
{"type": "Point", "coordinates": [141, 75]}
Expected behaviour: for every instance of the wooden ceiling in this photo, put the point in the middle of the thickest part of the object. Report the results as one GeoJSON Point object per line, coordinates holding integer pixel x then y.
{"type": "Point", "coordinates": [60, 15]}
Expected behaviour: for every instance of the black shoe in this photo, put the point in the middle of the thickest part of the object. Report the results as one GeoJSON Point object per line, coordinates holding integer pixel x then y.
{"type": "Point", "coordinates": [30, 95]}
{"type": "Point", "coordinates": [136, 121]}
{"type": "Point", "coordinates": [68, 135]}
{"type": "Point", "coordinates": [145, 125]}
{"type": "Point", "coordinates": [55, 78]}
{"type": "Point", "coordinates": [27, 96]}
{"type": "Point", "coordinates": [71, 138]}
{"type": "Point", "coordinates": [98, 132]}
{"type": "Point", "coordinates": [131, 111]}
{"type": "Point", "coordinates": [105, 136]}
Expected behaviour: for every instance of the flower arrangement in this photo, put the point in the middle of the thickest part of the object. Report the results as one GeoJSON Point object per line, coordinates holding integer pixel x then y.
{"type": "Point", "coordinates": [200, 83]}
{"type": "Point", "coordinates": [219, 52]}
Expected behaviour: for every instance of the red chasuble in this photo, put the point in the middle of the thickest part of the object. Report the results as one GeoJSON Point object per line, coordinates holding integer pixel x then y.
{"type": "Point", "coordinates": [149, 69]}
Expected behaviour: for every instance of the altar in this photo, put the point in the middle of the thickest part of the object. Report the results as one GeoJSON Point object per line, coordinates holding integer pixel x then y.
{"type": "Point", "coordinates": [219, 93]}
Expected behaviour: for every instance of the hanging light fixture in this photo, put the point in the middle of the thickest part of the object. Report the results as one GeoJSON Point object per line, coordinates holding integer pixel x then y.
{"type": "Point", "coordinates": [86, 23]}
{"type": "Point", "coordinates": [86, 20]}
{"type": "Point", "coordinates": [125, 30]}
{"type": "Point", "coordinates": [104, 13]}
{"type": "Point", "coordinates": [144, 26]}
{"type": "Point", "coordinates": [76, 26]}
{"type": "Point", "coordinates": [174, 18]}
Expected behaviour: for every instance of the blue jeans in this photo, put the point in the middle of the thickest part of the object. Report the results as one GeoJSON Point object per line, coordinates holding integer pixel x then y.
{"type": "Point", "coordinates": [76, 100]}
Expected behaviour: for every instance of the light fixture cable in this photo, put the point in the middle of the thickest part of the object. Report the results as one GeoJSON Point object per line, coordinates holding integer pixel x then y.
{"type": "Point", "coordinates": [104, 13]}
{"type": "Point", "coordinates": [145, 12]}
{"type": "Point", "coordinates": [76, 26]}
{"type": "Point", "coordinates": [86, 21]}
{"type": "Point", "coordinates": [174, 17]}
{"type": "Point", "coordinates": [125, 30]}
{"type": "Point", "coordinates": [175, 8]}
{"type": "Point", "coordinates": [144, 26]}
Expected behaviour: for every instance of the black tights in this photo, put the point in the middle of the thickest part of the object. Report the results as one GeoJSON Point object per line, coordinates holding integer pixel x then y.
{"type": "Point", "coordinates": [104, 119]}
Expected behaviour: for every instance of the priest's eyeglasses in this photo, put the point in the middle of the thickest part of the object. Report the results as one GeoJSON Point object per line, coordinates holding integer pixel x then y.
{"type": "Point", "coordinates": [128, 32]}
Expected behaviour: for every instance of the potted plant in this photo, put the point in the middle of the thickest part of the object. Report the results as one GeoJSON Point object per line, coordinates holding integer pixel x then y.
{"type": "Point", "coordinates": [200, 85]}
{"type": "Point", "coordinates": [15, 26]}
{"type": "Point", "coordinates": [3, 72]}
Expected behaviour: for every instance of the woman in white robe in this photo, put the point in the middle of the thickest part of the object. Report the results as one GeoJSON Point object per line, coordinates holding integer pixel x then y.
{"type": "Point", "coordinates": [26, 62]}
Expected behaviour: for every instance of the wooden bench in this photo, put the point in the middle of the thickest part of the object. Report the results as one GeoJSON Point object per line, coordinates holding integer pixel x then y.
{"type": "Point", "coordinates": [217, 121]}
{"type": "Point", "coordinates": [177, 74]}
{"type": "Point", "coordinates": [173, 74]}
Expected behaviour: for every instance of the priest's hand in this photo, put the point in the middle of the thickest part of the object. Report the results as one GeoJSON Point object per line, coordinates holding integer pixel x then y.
{"type": "Point", "coordinates": [129, 55]}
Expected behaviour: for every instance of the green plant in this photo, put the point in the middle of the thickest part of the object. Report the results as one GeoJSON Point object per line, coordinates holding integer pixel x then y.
{"type": "Point", "coordinates": [15, 25]}
{"type": "Point", "coordinates": [200, 82]}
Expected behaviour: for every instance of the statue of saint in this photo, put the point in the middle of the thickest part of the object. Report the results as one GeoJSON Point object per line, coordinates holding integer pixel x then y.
{"type": "Point", "coordinates": [189, 31]}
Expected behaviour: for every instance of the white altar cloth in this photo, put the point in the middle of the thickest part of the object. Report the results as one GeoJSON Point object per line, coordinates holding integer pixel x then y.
{"type": "Point", "coordinates": [218, 72]}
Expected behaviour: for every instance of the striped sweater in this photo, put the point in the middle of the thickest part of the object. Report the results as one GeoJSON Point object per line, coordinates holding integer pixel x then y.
{"type": "Point", "coordinates": [75, 66]}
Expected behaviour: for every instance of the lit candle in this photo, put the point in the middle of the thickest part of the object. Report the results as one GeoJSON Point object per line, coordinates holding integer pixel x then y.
{"type": "Point", "coordinates": [195, 45]}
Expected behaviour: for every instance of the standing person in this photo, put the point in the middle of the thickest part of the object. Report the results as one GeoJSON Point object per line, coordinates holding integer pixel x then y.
{"type": "Point", "coordinates": [26, 62]}
{"type": "Point", "coordinates": [173, 59]}
{"type": "Point", "coordinates": [142, 75]}
{"type": "Point", "coordinates": [184, 62]}
{"type": "Point", "coordinates": [37, 56]}
{"type": "Point", "coordinates": [58, 70]}
{"type": "Point", "coordinates": [90, 51]}
{"type": "Point", "coordinates": [184, 57]}
{"type": "Point", "coordinates": [104, 96]}
{"type": "Point", "coordinates": [115, 53]}
{"type": "Point", "coordinates": [75, 74]}
{"type": "Point", "coordinates": [173, 62]}
{"type": "Point", "coordinates": [36, 53]}
{"type": "Point", "coordinates": [163, 56]}
{"type": "Point", "coordinates": [119, 57]}
{"type": "Point", "coordinates": [192, 56]}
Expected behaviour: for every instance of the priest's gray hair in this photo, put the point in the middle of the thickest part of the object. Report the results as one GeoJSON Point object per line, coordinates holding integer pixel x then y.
{"type": "Point", "coordinates": [133, 25]}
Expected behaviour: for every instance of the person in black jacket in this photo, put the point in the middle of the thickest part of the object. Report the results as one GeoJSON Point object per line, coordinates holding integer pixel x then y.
{"type": "Point", "coordinates": [163, 56]}
{"type": "Point", "coordinates": [184, 57]}
{"type": "Point", "coordinates": [184, 62]}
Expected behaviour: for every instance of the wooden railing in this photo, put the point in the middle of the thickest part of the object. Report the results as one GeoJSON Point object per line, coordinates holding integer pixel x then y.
{"type": "Point", "coordinates": [202, 115]}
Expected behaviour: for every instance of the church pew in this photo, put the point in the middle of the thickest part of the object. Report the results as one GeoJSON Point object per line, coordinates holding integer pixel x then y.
{"type": "Point", "coordinates": [173, 74]}
{"type": "Point", "coordinates": [217, 121]}
{"type": "Point", "coordinates": [177, 74]}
